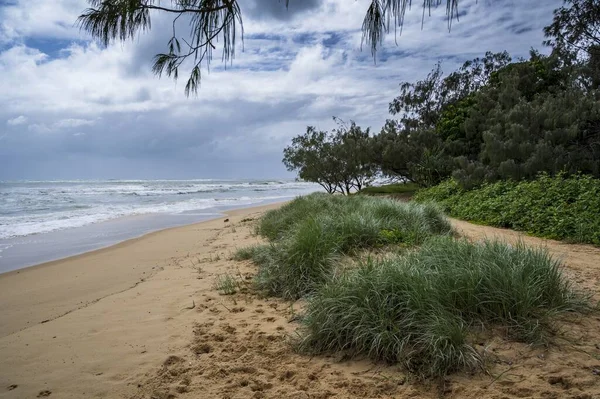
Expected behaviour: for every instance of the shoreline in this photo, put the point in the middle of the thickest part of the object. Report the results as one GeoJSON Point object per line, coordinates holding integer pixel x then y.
{"type": "Point", "coordinates": [73, 267]}
{"type": "Point", "coordinates": [210, 214]}
{"type": "Point", "coordinates": [102, 248]}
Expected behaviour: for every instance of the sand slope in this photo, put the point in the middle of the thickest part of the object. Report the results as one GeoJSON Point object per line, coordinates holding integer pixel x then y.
{"type": "Point", "coordinates": [144, 320]}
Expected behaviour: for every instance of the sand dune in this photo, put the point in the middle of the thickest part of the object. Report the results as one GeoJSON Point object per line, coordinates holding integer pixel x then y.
{"type": "Point", "coordinates": [143, 319]}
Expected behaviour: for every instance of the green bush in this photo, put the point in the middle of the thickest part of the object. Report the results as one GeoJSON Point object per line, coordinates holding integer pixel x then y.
{"type": "Point", "coordinates": [310, 233]}
{"type": "Point", "coordinates": [387, 189]}
{"type": "Point", "coordinates": [420, 308]}
{"type": "Point", "coordinates": [551, 207]}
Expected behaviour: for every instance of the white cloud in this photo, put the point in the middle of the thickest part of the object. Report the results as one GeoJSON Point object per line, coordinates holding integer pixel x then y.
{"type": "Point", "coordinates": [44, 19]}
{"type": "Point", "coordinates": [19, 120]}
{"type": "Point", "coordinates": [71, 123]}
{"type": "Point", "coordinates": [39, 128]}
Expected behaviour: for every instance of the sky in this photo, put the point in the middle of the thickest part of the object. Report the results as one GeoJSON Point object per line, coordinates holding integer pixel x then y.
{"type": "Point", "coordinates": [71, 108]}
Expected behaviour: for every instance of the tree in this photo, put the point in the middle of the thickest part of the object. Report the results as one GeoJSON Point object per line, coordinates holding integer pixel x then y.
{"type": "Point", "coordinates": [422, 145]}
{"type": "Point", "coordinates": [496, 120]}
{"type": "Point", "coordinates": [339, 161]}
{"type": "Point", "coordinates": [533, 117]}
{"type": "Point", "coordinates": [352, 151]}
{"type": "Point", "coordinates": [575, 35]}
{"type": "Point", "coordinates": [421, 104]}
{"type": "Point", "coordinates": [415, 155]}
{"type": "Point", "coordinates": [575, 27]}
{"type": "Point", "coordinates": [217, 21]}
{"type": "Point", "coordinates": [492, 120]}
{"type": "Point", "coordinates": [311, 155]}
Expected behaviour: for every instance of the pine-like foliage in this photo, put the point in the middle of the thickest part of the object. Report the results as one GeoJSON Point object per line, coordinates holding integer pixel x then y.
{"type": "Point", "coordinates": [215, 23]}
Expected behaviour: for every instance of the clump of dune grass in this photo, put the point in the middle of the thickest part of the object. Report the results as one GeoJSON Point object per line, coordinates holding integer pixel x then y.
{"type": "Point", "coordinates": [227, 284]}
{"type": "Point", "coordinates": [420, 308]}
{"type": "Point", "coordinates": [308, 235]}
{"type": "Point", "coordinates": [245, 253]}
{"type": "Point", "coordinates": [276, 223]}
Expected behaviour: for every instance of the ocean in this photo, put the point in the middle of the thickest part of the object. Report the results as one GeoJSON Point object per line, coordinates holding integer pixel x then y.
{"type": "Point", "coordinates": [42, 221]}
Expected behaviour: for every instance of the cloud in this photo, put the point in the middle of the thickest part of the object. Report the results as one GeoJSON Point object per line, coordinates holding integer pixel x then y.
{"type": "Point", "coordinates": [276, 9]}
{"type": "Point", "coordinates": [19, 120]}
{"type": "Point", "coordinates": [96, 112]}
{"type": "Point", "coordinates": [71, 123]}
{"type": "Point", "coordinates": [20, 19]}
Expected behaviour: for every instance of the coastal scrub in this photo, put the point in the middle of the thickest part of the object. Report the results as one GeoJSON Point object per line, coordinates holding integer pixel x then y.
{"type": "Point", "coordinates": [421, 308]}
{"type": "Point", "coordinates": [309, 235]}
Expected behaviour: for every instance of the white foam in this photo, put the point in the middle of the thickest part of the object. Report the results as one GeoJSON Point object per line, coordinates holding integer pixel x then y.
{"type": "Point", "coordinates": [27, 225]}
{"type": "Point", "coordinates": [40, 207]}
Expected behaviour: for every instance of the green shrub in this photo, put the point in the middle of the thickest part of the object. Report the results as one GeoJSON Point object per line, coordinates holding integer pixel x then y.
{"type": "Point", "coordinates": [387, 189]}
{"type": "Point", "coordinates": [419, 308]}
{"type": "Point", "coordinates": [310, 233]}
{"type": "Point", "coordinates": [296, 265]}
{"type": "Point", "coordinates": [552, 207]}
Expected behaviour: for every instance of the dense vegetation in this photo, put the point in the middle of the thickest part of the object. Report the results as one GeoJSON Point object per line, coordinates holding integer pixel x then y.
{"type": "Point", "coordinates": [421, 299]}
{"type": "Point", "coordinates": [494, 119]}
{"type": "Point", "coordinates": [310, 234]}
{"type": "Point", "coordinates": [552, 207]}
{"type": "Point", "coordinates": [487, 132]}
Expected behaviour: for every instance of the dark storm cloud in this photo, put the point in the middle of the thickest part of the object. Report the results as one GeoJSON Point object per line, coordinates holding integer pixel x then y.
{"type": "Point", "coordinates": [217, 143]}
{"type": "Point", "coordinates": [276, 9]}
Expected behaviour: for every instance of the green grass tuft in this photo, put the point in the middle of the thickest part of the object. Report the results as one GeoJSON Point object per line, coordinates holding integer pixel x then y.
{"type": "Point", "coordinates": [246, 253]}
{"type": "Point", "coordinates": [309, 234]}
{"type": "Point", "coordinates": [419, 309]}
{"type": "Point", "coordinates": [227, 284]}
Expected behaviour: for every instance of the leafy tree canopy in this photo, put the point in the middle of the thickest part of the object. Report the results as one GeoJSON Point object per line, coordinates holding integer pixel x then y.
{"type": "Point", "coordinates": [494, 119]}
{"type": "Point", "coordinates": [421, 104]}
{"type": "Point", "coordinates": [575, 28]}
{"type": "Point", "coordinates": [339, 161]}
{"type": "Point", "coordinates": [416, 155]}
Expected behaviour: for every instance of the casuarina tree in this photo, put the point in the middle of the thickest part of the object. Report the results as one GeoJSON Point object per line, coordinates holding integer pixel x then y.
{"type": "Point", "coordinates": [217, 23]}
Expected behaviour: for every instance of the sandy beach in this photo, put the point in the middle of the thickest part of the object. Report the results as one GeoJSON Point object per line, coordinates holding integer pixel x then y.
{"type": "Point", "coordinates": [143, 319]}
{"type": "Point", "coordinates": [92, 325]}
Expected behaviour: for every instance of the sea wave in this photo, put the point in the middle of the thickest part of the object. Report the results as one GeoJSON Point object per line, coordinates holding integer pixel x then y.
{"type": "Point", "coordinates": [28, 208]}
{"type": "Point", "coordinates": [147, 189]}
{"type": "Point", "coordinates": [26, 225]}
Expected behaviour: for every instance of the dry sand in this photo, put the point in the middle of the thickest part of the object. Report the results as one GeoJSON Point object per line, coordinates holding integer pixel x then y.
{"type": "Point", "coordinates": [143, 319]}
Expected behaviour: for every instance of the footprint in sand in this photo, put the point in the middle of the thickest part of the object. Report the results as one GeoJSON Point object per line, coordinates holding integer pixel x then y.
{"type": "Point", "coordinates": [43, 394]}
{"type": "Point", "coordinates": [12, 387]}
